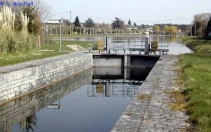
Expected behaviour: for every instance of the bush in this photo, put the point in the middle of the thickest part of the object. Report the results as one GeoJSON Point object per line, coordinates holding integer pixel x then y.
{"type": "Point", "coordinates": [12, 40]}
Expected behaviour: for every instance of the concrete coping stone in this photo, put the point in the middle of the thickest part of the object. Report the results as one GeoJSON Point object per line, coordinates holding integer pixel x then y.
{"type": "Point", "coordinates": [34, 63]}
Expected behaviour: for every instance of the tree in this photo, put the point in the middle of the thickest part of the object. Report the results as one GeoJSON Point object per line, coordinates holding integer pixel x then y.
{"type": "Point", "coordinates": [135, 25]}
{"type": "Point", "coordinates": [29, 123]}
{"type": "Point", "coordinates": [167, 29]}
{"type": "Point", "coordinates": [89, 23]}
{"type": "Point", "coordinates": [41, 8]}
{"type": "Point", "coordinates": [65, 22]}
{"type": "Point", "coordinates": [200, 23]}
{"type": "Point", "coordinates": [196, 25]}
{"type": "Point", "coordinates": [129, 22]}
{"type": "Point", "coordinates": [156, 29]}
{"type": "Point", "coordinates": [173, 29]}
{"type": "Point", "coordinates": [35, 23]}
{"type": "Point", "coordinates": [37, 13]}
{"type": "Point", "coordinates": [170, 29]}
{"type": "Point", "coordinates": [208, 29]}
{"type": "Point", "coordinates": [77, 22]}
{"type": "Point", "coordinates": [117, 23]}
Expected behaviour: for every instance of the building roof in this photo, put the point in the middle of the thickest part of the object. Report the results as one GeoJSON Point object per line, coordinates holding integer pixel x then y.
{"type": "Point", "coordinates": [52, 22]}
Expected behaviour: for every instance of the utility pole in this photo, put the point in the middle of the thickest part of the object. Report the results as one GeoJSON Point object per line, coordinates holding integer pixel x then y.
{"type": "Point", "coordinates": [202, 28]}
{"type": "Point", "coordinates": [191, 29]}
{"type": "Point", "coordinates": [70, 24]}
{"type": "Point", "coordinates": [60, 36]}
{"type": "Point", "coordinates": [195, 26]}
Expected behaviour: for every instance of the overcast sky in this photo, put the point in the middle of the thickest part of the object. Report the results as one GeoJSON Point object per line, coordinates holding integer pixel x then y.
{"type": "Point", "coordinates": [139, 11]}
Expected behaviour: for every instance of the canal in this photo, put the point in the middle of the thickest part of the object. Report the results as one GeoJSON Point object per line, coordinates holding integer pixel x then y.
{"type": "Point", "coordinates": [90, 101]}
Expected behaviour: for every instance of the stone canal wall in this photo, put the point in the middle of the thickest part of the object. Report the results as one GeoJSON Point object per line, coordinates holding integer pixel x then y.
{"type": "Point", "coordinates": [150, 109]}
{"type": "Point", "coordinates": [20, 79]}
{"type": "Point", "coordinates": [18, 110]}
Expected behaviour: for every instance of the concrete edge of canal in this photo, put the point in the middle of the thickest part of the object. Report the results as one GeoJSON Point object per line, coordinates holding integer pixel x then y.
{"type": "Point", "coordinates": [149, 110]}
{"type": "Point", "coordinates": [17, 80]}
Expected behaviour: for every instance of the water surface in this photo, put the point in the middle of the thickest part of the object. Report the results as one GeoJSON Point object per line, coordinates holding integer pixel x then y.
{"type": "Point", "coordinates": [81, 103]}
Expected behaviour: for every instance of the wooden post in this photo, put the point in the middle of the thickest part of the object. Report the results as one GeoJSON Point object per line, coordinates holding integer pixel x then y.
{"type": "Point", "coordinates": [39, 43]}
{"type": "Point", "coordinates": [100, 45]}
{"type": "Point", "coordinates": [154, 46]}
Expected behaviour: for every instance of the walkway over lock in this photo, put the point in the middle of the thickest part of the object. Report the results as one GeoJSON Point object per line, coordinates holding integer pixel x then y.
{"type": "Point", "coordinates": [132, 45]}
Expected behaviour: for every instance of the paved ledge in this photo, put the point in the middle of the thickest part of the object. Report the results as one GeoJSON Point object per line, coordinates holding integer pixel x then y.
{"type": "Point", "coordinates": [34, 63]}
{"type": "Point", "coordinates": [20, 79]}
{"type": "Point", "coordinates": [149, 111]}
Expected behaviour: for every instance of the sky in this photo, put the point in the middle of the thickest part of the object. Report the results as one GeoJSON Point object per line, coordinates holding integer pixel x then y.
{"type": "Point", "coordinates": [138, 11]}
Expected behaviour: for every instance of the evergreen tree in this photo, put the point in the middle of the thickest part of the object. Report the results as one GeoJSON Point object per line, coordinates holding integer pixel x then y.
{"type": "Point", "coordinates": [77, 22]}
{"type": "Point", "coordinates": [129, 22]}
{"type": "Point", "coordinates": [89, 23]}
{"type": "Point", "coordinates": [117, 23]}
{"type": "Point", "coordinates": [135, 25]}
{"type": "Point", "coordinates": [208, 29]}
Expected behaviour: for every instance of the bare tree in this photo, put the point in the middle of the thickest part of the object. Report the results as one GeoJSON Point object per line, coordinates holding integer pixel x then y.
{"type": "Point", "coordinates": [200, 23]}
{"type": "Point", "coordinates": [43, 9]}
{"type": "Point", "coordinates": [39, 7]}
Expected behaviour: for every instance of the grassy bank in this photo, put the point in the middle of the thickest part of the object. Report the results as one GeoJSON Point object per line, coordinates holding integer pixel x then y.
{"type": "Point", "coordinates": [201, 46]}
{"type": "Point", "coordinates": [94, 35]}
{"type": "Point", "coordinates": [196, 71]}
{"type": "Point", "coordinates": [55, 45]}
{"type": "Point", "coordinates": [47, 50]}
{"type": "Point", "coordinates": [9, 59]}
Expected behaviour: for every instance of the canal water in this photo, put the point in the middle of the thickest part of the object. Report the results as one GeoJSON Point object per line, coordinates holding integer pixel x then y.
{"type": "Point", "coordinates": [121, 45]}
{"type": "Point", "coordinates": [91, 101]}
{"type": "Point", "coordinates": [172, 43]}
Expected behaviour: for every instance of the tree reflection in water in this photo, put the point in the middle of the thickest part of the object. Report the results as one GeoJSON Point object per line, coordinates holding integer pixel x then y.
{"type": "Point", "coordinates": [29, 123]}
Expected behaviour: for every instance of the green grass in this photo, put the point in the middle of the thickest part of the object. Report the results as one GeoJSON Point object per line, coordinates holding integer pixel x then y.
{"type": "Point", "coordinates": [9, 59]}
{"type": "Point", "coordinates": [196, 71]}
{"type": "Point", "coordinates": [201, 46]}
{"type": "Point", "coordinates": [55, 45]}
{"type": "Point", "coordinates": [47, 50]}
{"type": "Point", "coordinates": [197, 77]}
{"type": "Point", "coordinates": [93, 35]}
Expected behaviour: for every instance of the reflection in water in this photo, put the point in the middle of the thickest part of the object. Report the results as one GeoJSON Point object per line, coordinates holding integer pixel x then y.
{"type": "Point", "coordinates": [75, 104]}
{"type": "Point", "coordinates": [113, 88]}
{"type": "Point", "coordinates": [22, 109]}
{"type": "Point", "coordinates": [164, 38]}
{"type": "Point", "coordinates": [158, 38]}
{"type": "Point", "coordinates": [117, 82]}
{"type": "Point", "coordinates": [29, 123]}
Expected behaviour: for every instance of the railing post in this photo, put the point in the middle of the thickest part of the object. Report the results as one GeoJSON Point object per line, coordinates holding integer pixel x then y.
{"type": "Point", "coordinates": [147, 47]}
{"type": "Point", "coordinates": [107, 49]}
